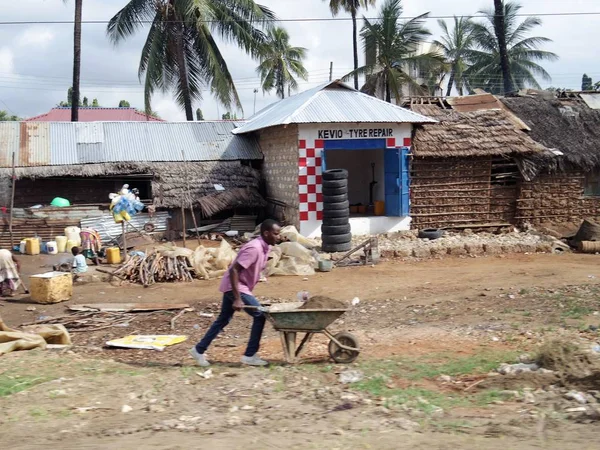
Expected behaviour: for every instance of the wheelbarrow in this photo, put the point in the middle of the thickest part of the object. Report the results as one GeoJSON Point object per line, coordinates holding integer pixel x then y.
{"type": "Point", "coordinates": [289, 320]}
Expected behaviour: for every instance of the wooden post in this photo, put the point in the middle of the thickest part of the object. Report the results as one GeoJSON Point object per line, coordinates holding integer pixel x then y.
{"type": "Point", "coordinates": [12, 204]}
{"type": "Point", "coordinates": [183, 222]}
{"type": "Point", "coordinates": [187, 185]}
{"type": "Point", "coordinates": [124, 230]}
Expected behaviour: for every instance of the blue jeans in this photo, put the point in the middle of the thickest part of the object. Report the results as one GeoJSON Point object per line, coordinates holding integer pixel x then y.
{"type": "Point", "coordinates": [224, 318]}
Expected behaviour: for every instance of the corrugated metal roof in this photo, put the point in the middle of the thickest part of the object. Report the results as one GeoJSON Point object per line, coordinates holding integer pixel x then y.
{"type": "Point", "coordinates": [64, 143]}
{"type": "Point", "coordinates": [591, 99]}
{"type": "Point", "coordinates": [333, 102]}
{"type": "Point", "coordinates": [94, 114]}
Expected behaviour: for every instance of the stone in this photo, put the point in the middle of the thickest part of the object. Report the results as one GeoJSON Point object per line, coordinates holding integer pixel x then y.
{"type": "Point", "coordinates": [513, 369]}
{"type": "Point", "coordinates": [492, 249]}
{"type": "Point", "coordinates": [578, 397]}
{"type": "Point", "coordinates": [445, 378]}
{"type": "Point", "coordinates": [457, 250]}
{"type": "Point", "coordinates": [526, 358]}
{"type": "Point", "coordinates": [351, 376]}
{"type": "Point", "coordinates": [234, 421]}
{"type": "Point", "coordinates": [126, 409]}
{"type": "Point", "coordinates": [406, 424]}
{"type": "Point", "coordinates": [421, 252]}
{"type": "Point", "coordinates": [474, 249]}
{"type": "Point", "coordinates": [528, 397]}
{"type": "Point", "coordinates": [402, 253]}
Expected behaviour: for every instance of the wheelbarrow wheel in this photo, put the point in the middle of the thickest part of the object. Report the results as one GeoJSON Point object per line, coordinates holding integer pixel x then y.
{"type": "Point", "coordinates": [340, 355]}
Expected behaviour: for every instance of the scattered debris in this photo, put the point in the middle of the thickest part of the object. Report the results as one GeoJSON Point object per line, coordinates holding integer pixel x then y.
{"type": "Point", "coordinates": [129, 307]}
{"type": "Point", "coordinates": [351, 376]}
{"type": "Point", "coordinates": [514, 369]}
{"type": "Point", "coordinates": [206, 374]}
{"type": "Point", "coordinates": [126, 409]}
{"type": "Point", "coordinates": [147, 342]}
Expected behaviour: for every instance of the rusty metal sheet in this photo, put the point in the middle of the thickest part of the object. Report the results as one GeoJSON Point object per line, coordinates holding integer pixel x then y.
{"type": "Point", "coordinates": [9, 142]}
{"type": "Point", "coordinates": [34, 144]}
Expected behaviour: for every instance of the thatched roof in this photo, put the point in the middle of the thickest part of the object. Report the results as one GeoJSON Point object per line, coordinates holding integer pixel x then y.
{"type": "Point", "coordinates": [173, 184]}
{"type": "Point", "coordinates": [573, 129]}
{"type": "Point", "coordinates": [468, 134]}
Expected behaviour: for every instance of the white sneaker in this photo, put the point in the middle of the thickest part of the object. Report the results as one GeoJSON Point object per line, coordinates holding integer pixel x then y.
{"type": "Point", "coordinates": [200, 358]}
{"type": "Point", "coordinates": [254, 361]}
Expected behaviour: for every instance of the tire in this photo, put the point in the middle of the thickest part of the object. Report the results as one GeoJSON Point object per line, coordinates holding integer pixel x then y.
{"type": "Point", "coordinates": [431, 233]}
{"type": "Point", "coordinates": [340, 355]}
{"type": "Point", "coordinates": [336, 248]}
{"type": "Point", "coordinates": [335, 221]}
{"type": "Point", "coordinates": [335, 174]}
{"type": "Point", "coordinates": [336, 213]}
{"type": "Point", "coordinates": [335, 184]}
{"type": "Point", "coordinates": [335, 198]}
{"type": "Point", "coordinates": [336, 238]}
{"type": "Point", "coordinates": [334, 191]}
{"type": "Point", "coordinates": [345, 205]}
{"type": "Point", "coordinates": [335, 229]}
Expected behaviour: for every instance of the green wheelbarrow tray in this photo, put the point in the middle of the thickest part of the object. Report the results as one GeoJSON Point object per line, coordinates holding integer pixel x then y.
{"type": "Point", "coordinates": [289, 320]}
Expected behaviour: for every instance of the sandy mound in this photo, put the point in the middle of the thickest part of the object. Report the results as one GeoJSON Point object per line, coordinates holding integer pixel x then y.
{"type": "Point", "coordinates": [322, 302]}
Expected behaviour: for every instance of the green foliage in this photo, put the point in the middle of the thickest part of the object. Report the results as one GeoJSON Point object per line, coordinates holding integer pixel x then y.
{"type": "Point", "coordinates": [199, 115]}
{"type": "Point", "coordinates": [84, 102]}
{"type": "Point", "coordinates": [390, 48]}
{"type": "Point", "coordinates": [124, 104]}
{"type": "Point", "coordinates": [524, 52]}
{"type": "Point", "coordinates": [6, 117]}
{"type": "Point", "coordinates": [455, 45]}
{"type": "Point", "coordinates": [181, 52]}
{"type": "Point", "coordinates": [586, 83]}
{"type": "Point", "coordinates": [229, 116]}
{"type": "Point", "coordinates": [12, 384]}
{"type": "Point", "coordinates": [280, 63]}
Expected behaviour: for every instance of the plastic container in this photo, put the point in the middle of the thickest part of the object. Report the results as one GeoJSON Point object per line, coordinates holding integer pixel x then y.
{"type": "Point", "coordinates": [22, 247]}
{"type": "Point", "coordinates": [70, 245]}
{"type": "Point", "coordinates": [32, 246]}
{"type": "Point", "coordinates": [61, 244]}
{"type": "Point", "coordinates": [113, 255]}
{"type": "Point", "coordinates": [72, 234]}
{"type": "Point", "coordinates": [52, 247]}
{"type": "Point", "coordinates": [60, 202]}
{"type": "Point", "coordinates": [379, 208]}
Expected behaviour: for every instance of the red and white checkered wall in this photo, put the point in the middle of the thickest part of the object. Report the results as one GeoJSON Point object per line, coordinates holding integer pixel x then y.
{"type": "Point", "coordinates": [310, 171]}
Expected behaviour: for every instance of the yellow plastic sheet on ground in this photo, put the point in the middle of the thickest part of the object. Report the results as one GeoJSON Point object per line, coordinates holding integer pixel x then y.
{"type": "Point", "coordinates": [147, 342]}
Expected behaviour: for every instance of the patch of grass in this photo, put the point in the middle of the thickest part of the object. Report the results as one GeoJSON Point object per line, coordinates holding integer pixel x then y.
{"type": "Point", "coordinates": [17, 383]}
{"type": "Point", "coordinates": [488, 397]}
{"type": "Point", "coordinates": [576, 312]}
{"type": "Point", "coordinates": [452, 426]}
{"type": "Point", "coordinates": [38, 413]}
{"type": "Point", "coordinates": [188, 371]}
{"type": "Point", "coordinates": [527, 314]}
{"type": "Point", "coordinates": [524, 292]}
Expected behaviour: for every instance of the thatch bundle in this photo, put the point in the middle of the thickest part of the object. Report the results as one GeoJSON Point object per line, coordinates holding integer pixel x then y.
{"type": "Point", "coordinates": [572, 128]}
{"type": "Point", "coordinates": [468, 134]}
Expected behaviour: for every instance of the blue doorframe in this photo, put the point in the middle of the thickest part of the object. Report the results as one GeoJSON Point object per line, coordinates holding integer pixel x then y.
{"type": "Point", "coordinates": [397, 174]}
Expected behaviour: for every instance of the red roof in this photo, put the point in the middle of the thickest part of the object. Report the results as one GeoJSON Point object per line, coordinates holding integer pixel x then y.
{"type": "Point", "coordinates": [94, 114]}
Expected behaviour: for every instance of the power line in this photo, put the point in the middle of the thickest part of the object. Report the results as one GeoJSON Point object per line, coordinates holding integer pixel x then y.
{"type": "Point", "coordinates": [305, 19]}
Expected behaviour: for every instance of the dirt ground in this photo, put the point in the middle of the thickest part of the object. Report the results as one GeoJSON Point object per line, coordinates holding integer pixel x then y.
{"type": "Point", "coordinates": [430, 333]}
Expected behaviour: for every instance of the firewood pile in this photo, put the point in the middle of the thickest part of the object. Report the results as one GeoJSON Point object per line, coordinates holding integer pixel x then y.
{"type": "Point", "coordinates": [156, 267]}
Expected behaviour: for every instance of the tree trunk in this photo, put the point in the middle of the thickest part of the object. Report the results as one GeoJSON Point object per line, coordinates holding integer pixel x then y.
{"type": "Point", "coordinates": [355, 43]}
{"type": "Point", "coordinates": [499, 27]}
{"type": "Point", "coordinates": [76, 61]}
{"type": "Point", "coordinates": [183, 76]}
{"type": "Point", "coordinates": [451, 81]}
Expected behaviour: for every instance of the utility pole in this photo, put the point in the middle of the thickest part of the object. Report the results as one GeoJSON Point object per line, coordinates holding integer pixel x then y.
{"type": "Point", "coordinates": [331, 71]}
{"type": "Point", "coordinates": [255, 92]}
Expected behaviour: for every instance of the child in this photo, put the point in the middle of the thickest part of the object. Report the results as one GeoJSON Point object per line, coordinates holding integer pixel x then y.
{"type": "Point", "coordinates": [79, 263]}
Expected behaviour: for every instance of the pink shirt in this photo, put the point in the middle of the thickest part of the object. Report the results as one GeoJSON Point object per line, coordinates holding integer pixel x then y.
{"type": "Point", "coordinates": [253, 258]}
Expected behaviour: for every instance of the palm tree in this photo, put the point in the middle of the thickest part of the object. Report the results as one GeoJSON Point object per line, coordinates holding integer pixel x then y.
{"type": "Point", "coordinates": [280, 62]}
{"type": "Point", "coordinates": [522, 50]}
{"type": "Point", "coordinates": [455, 44]}
{"type": "Point", "coordinates": [76, 60]}
{"type": "Point", "coordinates": [181, 53]}
{"type": "Point", "coordinates": [351, 6]}
{"type": "Point", "coordinates": [391, 48]}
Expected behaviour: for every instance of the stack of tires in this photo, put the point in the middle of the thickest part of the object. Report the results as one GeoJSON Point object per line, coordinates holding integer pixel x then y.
{"type": "Point", "coordinates": [335, 231]}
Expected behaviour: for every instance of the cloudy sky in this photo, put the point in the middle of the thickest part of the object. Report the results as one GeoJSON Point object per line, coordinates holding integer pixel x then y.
{"type": "Point", "coordinates": [36, 59]}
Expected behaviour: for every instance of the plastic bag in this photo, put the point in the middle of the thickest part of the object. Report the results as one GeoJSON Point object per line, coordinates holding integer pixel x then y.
{"type": "Point", "coordinates": [291, 234]}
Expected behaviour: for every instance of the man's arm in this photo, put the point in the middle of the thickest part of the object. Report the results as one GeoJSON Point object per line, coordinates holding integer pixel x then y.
{"type": "Point", "coordinates": [234, 274]}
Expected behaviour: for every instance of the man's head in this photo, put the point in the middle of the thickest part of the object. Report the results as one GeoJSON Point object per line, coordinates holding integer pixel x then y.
{"type": "Point", "coordinates": [76, 251]}
{"type": "Point", "coordinates": [269, 231]}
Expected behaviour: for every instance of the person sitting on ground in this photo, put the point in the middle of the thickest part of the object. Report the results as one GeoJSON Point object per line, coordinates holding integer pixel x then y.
{"type": "Point", "coordinates": [91, 244]}
{"type": "Point", "coordinates": [10, 279]}
{"type": "Point", "coordinates": [79, 262]}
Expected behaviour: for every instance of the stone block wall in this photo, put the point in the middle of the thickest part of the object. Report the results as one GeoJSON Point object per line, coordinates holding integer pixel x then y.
{"type": "Point", "coordinates": [556, 199]}
{"type": "Point", "coordinates": [279, 146]}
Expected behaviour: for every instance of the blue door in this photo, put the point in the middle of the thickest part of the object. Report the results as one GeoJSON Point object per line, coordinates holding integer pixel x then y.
{"type": "Point", "coordinates": [392, 184]}
{"type": "Point", "coordinates": [397, 182]}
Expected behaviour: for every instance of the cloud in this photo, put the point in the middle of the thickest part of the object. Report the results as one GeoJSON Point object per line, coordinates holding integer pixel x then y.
{"type": "Point", "coordinates": [36, 36]}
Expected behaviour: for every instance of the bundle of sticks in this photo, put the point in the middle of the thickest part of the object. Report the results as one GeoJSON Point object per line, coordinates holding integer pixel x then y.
{"type": "Point", "coordinates": [90, 321]}
{"type": "Point", "coordinates": [156, 268]}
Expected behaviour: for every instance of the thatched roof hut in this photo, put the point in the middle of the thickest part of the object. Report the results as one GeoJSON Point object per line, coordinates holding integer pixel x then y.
{"type": "Point", "coordinates": [573, 128]}
{"type": "Point", "coordinates": [213, 186]}
{"type": "Point", "coordinates": [469, 134]}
